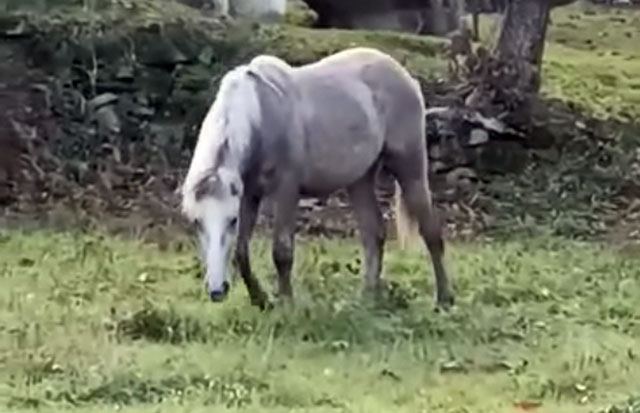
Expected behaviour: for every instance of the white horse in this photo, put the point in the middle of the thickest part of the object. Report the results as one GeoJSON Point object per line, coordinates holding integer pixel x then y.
{"type": "Point", "coordinates": [292, 132]}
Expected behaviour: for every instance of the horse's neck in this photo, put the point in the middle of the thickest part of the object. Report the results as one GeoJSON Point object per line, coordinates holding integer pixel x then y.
{"type": "Point", "coordinates": [240, 155]}
{"type": "Point", "coordinates": [237, 114]}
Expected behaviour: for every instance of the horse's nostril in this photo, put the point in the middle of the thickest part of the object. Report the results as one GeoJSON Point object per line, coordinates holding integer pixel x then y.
{"type": "Point", "coordinates": [219, 295]}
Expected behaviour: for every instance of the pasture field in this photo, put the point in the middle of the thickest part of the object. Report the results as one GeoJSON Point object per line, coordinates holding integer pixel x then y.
{"type": "Point", "coordinates": [97, 323]}
{"type": "Point", "coordinates": [93, 323]}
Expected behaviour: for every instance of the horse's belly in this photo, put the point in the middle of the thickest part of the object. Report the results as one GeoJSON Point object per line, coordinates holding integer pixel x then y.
{"type": "Point", "coordinates": [339, 149]}
{"type": "Point", "coordinates": [324, 175]}
{"type": "Point", "coordinates": [342, 133]}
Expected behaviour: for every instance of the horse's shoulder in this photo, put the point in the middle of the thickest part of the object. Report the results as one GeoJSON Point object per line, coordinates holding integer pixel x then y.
{"type": "Point", "coordinates": [272, 72]}
{"type": "Point", "coordinates": [265, 60]}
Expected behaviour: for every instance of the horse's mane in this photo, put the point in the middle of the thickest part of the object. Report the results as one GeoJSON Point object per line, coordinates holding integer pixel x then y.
{"type": "Point", "coordinates": [227, 125]}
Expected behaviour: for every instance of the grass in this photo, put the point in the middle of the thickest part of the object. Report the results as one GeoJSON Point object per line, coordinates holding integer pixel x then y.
{"type": "Point", "coordinates": [92, 324]}
{"type": "Point", "coordinates": [592, 59]}
{"type": "Point", "coordinates": [96, 323]}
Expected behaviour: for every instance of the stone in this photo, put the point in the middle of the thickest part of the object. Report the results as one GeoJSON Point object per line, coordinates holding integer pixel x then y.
{"type": "Point", "coordinates": [125, 72]}
{"type": "Point", "coordinates": [461, 179]}
{"type": "Point", "coordinates": [13, 26]}
{"type": "Point", "coordinates": [261, 10]}
{"type": "Point", "coordinates": [156, 49]}
{"type": "Point", "coordinates": [110, 48]}
{"type": "Point", "coordinates": [108, 120]}
{"type": "Point", "coordinates": [478, 137]}
{"type": "Point", "coordinates": [550, 155]}
{"type": "Point", "coordinates": [438, 166]}
{"type": "Point", "coordinates": [299, 14]}
{"type": "Point", "coordinates": [155, 83]}
{"type": "Point", "coordinates": [102, 100]}
{"type": "Point", "coordinates": [502, 157]}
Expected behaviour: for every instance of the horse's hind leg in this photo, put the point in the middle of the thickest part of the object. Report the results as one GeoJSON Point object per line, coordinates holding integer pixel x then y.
{"type": "Point", "coordinates": [248, 215]}
{"type": "Point", "coordinates": [410, 171]}
{"type": "Point", "coordinates": [371, 227]}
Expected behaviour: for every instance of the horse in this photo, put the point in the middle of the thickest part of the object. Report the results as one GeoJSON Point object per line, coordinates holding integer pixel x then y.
{"type": "Point", "coordinates": [293, 132]}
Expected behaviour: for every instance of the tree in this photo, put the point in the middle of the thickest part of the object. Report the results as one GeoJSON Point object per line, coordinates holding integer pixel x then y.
{"type": "Point", "coordinates": [524, 29]}
{"type": "Point", "coordinates": [506, 82]}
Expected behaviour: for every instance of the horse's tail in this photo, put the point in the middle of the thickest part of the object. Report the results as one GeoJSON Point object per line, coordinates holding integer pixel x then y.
{"type": "Point", "coordinates": [407, 228]}
{"type": "Point", "coordinates": [407, 225]}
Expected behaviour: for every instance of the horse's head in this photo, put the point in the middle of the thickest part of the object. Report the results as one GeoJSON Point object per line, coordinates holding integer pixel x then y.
{"type": "Point", "coordinates": [213, 186]}
{"type": "Point", "coordinates": [216, 217]}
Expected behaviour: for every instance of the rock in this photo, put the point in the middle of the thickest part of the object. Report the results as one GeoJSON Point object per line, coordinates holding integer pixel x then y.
{"type": "Point", "coordinates": [186, 41]}
{"type": "Point", "coordinates": [108, 120]}
{"type": "Point", "coordinates": [435, 152]}
{"type": "Point", "coordinates": [110, 48]}
{"type": "Point", "coordinates": [125, 72]}
{"type": "Point", "coordinates": [67, 102]}
{"type": "Point", "coordinates": [102, 100]}
{"type": "Point", "coordinates": [550, 155]}
{"type": "Point", "coordinates": [154, 48]}
{"type": "Point", "coordinates": [438, 166]}
{"type": "Point", "coordinates": [262, 10]}
{"type": "Point", "coordinates": [542, 136]}
{"type": "Point", "coordinates": [502, 157]}
{"type": "Point", "coordinates": [155, 83]}
{"type": "Point", "coordinates": [478, 137]}
{"type": "Point", "coordinates": [461, 179]}
{"type": "Point", "coordinates": [13, 27]}
{"type": "Point", "coordinates": [299, 14]}
{"type": "Point", "coordinates": [193, 78]}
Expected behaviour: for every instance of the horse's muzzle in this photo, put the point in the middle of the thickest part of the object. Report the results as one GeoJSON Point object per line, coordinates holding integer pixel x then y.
{"type": "Point", "coordinates": [218, 296]}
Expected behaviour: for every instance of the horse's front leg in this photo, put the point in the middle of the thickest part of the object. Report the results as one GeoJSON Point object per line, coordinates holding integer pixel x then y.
{"type": "Point", "coordinates": [286, 204]}
{"type": "Point", "coordinates": [249, 207]}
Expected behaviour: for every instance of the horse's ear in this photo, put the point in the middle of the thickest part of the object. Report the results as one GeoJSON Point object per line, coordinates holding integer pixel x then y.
{"type": "Point", "coordinates": [209, 186]}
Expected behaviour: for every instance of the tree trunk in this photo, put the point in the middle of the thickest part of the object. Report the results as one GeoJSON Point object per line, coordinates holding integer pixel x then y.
{"type": "Point", "coordinates": [522, 37]}
{"type": "Point", "coordinates": [507, 82]}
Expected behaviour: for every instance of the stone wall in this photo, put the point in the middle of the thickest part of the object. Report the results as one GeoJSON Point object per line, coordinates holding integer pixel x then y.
{"type": "Point", "coordinates": [122, 137]}
{"type": "Point", "coordinates": [437, 17]}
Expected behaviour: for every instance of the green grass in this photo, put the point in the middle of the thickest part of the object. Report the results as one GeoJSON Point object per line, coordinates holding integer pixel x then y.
{"type": "Point", "coordinates": [592, 59]}
{"type": "Point", "coordinates": [98, 323]}
{"type": "Point", "coordinates": [94, 324]}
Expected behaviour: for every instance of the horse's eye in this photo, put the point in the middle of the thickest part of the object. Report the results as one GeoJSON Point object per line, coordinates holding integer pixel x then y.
{"type": "Point", "coordinates": [197, 223]}
{"type": "Point", "coordinates": [233, 222]}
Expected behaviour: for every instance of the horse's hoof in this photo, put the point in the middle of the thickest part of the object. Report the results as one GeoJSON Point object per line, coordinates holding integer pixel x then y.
{"type": "Point", "coordinates": [445, 304]}
{"type": "Point", "coordinates": [286, 300]}
{"type": "Point", "coordinates": [267, 306]}
{"type": "Point", "coordinates": [262, 302]}
{"type": "Point", "coordinates": [375, 292]}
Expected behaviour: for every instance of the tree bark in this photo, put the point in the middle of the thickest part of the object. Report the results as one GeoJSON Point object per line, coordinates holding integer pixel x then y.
{"type": "Point", "coordinates": [507, 82]}
{"type": "Point", "coordinates": [522, 37]}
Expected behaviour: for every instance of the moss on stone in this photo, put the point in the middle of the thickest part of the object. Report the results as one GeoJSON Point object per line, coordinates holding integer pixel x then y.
{"type": "Point", "coordinates": [299, 14]}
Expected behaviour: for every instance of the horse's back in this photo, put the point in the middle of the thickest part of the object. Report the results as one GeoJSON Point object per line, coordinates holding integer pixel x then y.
{"type": "Point", "coordinates": [384, 77]}
{"type": "Point", "coordinates": [349, 102]}
{"type": "Point", "coordinates": [344, 109]}
{"type": "Point", "coordinates": [397, 96]}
